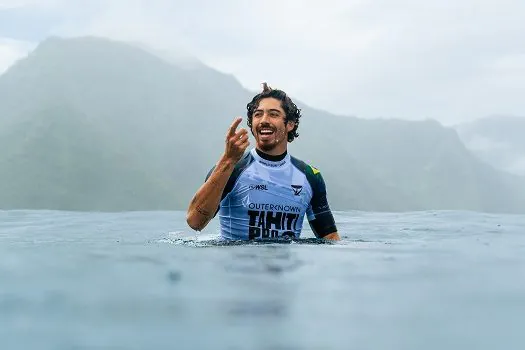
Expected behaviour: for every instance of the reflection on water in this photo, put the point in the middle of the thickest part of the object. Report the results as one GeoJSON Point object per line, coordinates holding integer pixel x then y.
{"type": "Point", "coordinates": [272, 260]}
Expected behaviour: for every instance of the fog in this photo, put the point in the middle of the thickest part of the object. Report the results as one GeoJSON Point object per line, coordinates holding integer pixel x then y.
{"type": "Point", "coordinates": [497, 140]}
{"type": "Point", "coordinates": [446, 60]}
{"type": "Point", "coordinates": [451, 63]}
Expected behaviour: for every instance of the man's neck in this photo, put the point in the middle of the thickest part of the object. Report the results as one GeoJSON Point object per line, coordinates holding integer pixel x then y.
{"type": "Point", "coordinates": [270, 157]}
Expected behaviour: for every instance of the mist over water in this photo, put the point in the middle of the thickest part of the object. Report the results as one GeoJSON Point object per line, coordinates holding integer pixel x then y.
{"type": "Point", "coordinates": [135, 280]}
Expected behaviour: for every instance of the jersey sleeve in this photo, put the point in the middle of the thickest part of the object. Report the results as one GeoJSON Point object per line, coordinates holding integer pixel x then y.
{"type": "Point", "coordinates": [239, 168]}
{"type": "Point", "coordinates": [319, 215]}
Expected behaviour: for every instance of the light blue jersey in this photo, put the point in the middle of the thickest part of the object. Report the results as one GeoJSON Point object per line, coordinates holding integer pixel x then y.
{"type": "Point", "coordinates": [268, 199]}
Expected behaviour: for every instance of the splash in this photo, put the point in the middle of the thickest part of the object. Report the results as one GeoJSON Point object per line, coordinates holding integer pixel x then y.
{"type": "Point", "coordinates": [215, 240]}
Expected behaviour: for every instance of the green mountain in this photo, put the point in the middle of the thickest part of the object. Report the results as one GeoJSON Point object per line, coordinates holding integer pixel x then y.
{"type": "Point", "coordinates": [94, 124]}
{"type": "Point", "coordinates": [498, 140]}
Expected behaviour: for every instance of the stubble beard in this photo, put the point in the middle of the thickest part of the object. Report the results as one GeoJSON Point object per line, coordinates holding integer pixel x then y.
{"type": "Point", "coordinates": [270, 146]}
{"type": "Point", "coordinates": [267, 147]}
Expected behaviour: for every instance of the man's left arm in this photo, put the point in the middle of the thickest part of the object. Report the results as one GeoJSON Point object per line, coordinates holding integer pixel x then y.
{"type": "Point", "coordinates": [320, 216]}
{"type": "Point", "coordinates": [323, 225]}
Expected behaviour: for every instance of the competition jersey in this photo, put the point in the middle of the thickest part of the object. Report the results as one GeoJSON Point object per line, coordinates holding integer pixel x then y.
{"type": "Point", "coordinates": [266, 199]}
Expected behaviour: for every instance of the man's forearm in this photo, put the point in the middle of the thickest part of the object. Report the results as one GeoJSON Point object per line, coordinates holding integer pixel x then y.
{"type": "Point", "coordinates": [205, 202]}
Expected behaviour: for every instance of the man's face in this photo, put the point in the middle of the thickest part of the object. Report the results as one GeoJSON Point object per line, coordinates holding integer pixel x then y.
{"type": "Point", "coordinates": [269, 128]}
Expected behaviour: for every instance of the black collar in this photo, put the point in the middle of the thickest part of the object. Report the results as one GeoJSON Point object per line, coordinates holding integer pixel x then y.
{"type": "Point", "coordinates": [270, 157]}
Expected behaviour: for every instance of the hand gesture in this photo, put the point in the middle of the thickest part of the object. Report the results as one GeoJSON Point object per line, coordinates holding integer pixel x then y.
{"type": "Point", "coordinates": [236, 141]}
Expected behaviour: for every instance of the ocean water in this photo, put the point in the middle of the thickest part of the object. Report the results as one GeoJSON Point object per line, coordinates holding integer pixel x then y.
{"type": "Point", "coordinates": [143, 280]}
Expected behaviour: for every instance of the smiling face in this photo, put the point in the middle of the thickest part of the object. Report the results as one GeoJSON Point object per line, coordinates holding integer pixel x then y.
{"type": "Point", "coordinates": [270, 128]}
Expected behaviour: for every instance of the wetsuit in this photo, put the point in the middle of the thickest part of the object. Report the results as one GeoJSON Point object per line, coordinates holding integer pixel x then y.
{"type": "Point", "coordinates": [267, 197]}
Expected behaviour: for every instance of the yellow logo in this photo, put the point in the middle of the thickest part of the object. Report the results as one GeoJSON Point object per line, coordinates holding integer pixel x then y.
{"type": "Point", "coordinates": [315, 170]}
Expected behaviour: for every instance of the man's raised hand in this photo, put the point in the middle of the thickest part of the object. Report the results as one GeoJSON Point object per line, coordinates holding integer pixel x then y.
{"type": "Point", "coordinates": [236, 141]}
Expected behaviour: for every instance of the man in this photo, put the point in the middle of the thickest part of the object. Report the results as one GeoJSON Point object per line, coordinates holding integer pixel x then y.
{"type": "Point", "coordinates": [264, 193]}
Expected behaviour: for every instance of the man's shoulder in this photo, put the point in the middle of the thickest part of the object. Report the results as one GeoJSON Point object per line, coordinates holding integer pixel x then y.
{"type": "Point", "coordinates": [312, 174]}
{"type": "Point", "coordinates": [240, 166]}
{"type": "Point", "coordinates": [309, 170]}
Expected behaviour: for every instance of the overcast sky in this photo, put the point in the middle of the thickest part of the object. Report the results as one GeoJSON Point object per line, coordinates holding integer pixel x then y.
{"type": "Point", "coordinates": [449, 60]}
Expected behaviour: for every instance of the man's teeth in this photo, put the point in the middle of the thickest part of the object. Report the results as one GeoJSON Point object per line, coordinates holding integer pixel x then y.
{"type": "Point", "coordinates": [266, 131]}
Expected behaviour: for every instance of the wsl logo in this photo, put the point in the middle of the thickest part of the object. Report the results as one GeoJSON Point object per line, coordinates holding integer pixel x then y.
{"type": "Point", "coordinates": [297, 189]}
{"type": "Point", "coordinates": [259, 187]}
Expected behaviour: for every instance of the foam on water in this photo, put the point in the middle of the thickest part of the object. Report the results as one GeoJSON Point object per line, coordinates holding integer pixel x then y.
{"type": "Point", "coordinates": [215, 240]}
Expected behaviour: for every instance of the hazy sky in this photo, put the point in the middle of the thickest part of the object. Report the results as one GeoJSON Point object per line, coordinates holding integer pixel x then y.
{"type": "Point", "coordinates": [450, 60]}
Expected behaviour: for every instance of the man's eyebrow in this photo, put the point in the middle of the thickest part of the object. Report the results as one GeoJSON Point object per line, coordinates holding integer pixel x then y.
{"type": "Point", "coordinates": [271, 110]}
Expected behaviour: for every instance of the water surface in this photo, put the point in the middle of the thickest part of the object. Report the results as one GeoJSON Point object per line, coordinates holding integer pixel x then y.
{"type": "Point", "coordinates": [142, 280]}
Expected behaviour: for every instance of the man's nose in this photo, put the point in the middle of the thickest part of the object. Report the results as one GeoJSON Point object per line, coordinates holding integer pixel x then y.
{"type": "Point", "coordinates": [265, 117]}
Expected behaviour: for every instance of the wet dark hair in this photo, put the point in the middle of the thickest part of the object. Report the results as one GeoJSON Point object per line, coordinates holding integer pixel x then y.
{"type": "Point", "coordinates": [292, 113]}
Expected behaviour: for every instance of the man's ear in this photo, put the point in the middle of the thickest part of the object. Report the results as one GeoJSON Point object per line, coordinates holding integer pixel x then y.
{"type": "Point", "coordinates": [290, 125]}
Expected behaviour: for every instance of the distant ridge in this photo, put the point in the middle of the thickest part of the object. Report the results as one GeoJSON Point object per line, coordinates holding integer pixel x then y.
{"type": "Point", "coordinates": [499, 140]}
{"type": "Point", "coordinates": [95, 124]}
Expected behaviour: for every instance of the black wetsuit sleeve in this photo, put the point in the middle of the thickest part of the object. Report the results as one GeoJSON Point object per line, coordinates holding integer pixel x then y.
{"type": "Point", "coordinates": [320, 216]}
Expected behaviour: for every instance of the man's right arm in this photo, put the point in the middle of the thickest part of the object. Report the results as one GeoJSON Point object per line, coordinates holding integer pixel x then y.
{"type": "Point", "coordinates": [204, 204]}
{"type": "Point", "coordinates": [207, 199]}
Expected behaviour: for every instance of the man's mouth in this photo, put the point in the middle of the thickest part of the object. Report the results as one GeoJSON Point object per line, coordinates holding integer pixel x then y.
{"type": "Point", "coordinates": [266, 132]}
